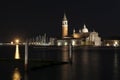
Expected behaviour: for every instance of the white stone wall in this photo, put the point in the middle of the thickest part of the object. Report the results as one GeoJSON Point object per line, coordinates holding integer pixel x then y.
{"type": "Point", "coordinates": [95, 38]}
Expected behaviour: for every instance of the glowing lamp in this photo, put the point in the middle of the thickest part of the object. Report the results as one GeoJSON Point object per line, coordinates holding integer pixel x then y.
{"type": "Point", "coordinates": [17, 40]}
{"type": "Point", "coordinates": [11, 43]}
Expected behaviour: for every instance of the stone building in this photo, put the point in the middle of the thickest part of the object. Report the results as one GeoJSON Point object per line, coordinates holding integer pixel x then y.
{"type": "Point", "coordinates": [83, 37]}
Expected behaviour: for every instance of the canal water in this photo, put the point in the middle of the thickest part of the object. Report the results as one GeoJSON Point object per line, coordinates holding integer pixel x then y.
{"type": "Point", "coordinates": [87, 64]}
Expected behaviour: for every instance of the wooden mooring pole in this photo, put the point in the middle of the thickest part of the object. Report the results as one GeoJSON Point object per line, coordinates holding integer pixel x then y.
{"type": "Point", "coordinates": [26, 55]}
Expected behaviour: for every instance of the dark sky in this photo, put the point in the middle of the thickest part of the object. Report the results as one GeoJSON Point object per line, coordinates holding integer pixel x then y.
{"type": "Point", "coordinates": [26, 19]}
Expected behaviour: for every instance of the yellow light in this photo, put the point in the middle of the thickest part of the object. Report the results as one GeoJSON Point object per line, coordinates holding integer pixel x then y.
{"type": "Point", "coordinates": [115, 44]}
{"type": "Point", "coordinates": [12, 42]}
{"type": "Point", "coordinates": [16, 75]}
{"type": "Point", "coordinates": [73, 43]}
{"type": "Point", "coordinates": [17, 54]}
{"type": "Point", "coordinates": [107, 44]}
{"type": "Point", "coordinates": [59, 44]}
{"type": "Point", "coordinates": [17, 41]}
{"type": "Point", "coordinates": [65, 43]}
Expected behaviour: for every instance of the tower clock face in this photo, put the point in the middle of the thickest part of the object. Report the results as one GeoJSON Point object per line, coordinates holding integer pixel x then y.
{"type": "Point", "coordinates": [64, 22]}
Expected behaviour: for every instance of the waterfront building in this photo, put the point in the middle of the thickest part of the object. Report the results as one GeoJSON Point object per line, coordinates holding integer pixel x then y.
{"type": "Point", "coordinates": [80, 37]}
{"type": "Point", "coordinates": [83, 37]}
{"type": "Point", "coordinates": [111, 41]}
{"type": "Point", "coordinates": [94, 39]}
{"type": "Point", "coordinates": [42, 40]}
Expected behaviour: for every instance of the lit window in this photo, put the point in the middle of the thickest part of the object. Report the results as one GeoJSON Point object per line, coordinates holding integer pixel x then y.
{"type": "Point", "coordinates": [73, 42]}
{"type": "Point", "coordinates": [115, 44]}
{"type": "Point", "coordinates": [59, 43]}
{"type": "Point", "coordinates": [107, 44]}
{"type": "Point", "coordinates": [65, 43]}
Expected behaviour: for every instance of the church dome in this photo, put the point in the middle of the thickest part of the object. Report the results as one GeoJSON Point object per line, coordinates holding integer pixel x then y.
{"type": "Point", "coordinates": [85, 30]}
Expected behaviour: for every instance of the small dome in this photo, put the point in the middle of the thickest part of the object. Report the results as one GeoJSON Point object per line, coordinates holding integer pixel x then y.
{"type": "Point", "coordinates": [85, 30]}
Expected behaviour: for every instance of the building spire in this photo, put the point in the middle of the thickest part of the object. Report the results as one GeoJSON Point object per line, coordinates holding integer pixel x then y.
{"type": "Point", "coordinates": [79, 30]}
{"type": "Point", "coordinates": [84, 26]}
{"type": "Point", "coordinates": [65, 18]}
{"type": "Point", "coordinates": [84, 30]}
{"type": "Point", "coordinates": [73, 31]}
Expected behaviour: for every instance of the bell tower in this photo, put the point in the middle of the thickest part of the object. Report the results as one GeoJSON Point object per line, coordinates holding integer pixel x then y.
{"type": "Point", "coordinates": [64, 26]}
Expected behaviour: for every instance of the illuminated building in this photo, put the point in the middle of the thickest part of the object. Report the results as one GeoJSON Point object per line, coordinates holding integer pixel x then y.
{"type": "Point", "coordinates": [115, 42]}
{"type": "Point", "coordinates": [94, 39]}
{"type": "Point", "coordinates": [80, 34]}
{"type": "Point", "coordinates": [42, 40]}
{"type": "Point", "coordinates": [83, 37]}
{"type": "Point", "coordinates": [85, 30]}
{"type": "Point", "coordinates": [79, 37]}
{"type": "Point", "coordinates": [64, 27]}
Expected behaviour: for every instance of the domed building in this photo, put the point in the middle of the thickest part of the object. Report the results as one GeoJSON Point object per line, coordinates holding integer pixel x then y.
{"type": "Point", "coordinates": [82, 37]}
{"type": "Point", "coordinates": [81, 34]}
{"type": "Point", "coordinates": [85, 30]}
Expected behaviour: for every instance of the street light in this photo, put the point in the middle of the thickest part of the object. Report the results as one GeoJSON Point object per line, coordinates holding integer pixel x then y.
{"type": "Point", "coordinates": [17, 41]}
{"type": "Point", "coordinates": [115, 44]}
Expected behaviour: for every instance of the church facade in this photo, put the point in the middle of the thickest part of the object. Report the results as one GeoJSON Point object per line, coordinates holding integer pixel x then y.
{"type": "Point", "coordinates": [83, 37]}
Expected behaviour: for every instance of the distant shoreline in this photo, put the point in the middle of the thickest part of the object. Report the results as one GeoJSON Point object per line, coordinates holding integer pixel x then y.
{"type": "Point", "coordinates": [65, 47]}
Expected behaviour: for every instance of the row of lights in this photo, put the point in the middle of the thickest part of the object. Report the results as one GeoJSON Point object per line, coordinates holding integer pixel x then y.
{"type": "Point", "coordinates": [66, 43]}
{"type": "Point", "coordinates": [16, 41]}
{"type": "Point", "coordinates": [115, 44]}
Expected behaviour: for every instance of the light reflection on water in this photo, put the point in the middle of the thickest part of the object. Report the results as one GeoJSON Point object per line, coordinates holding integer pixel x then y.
{"type": "Point", "coordinates": [87, 65]}
{"type": "Point", "coordinates": [65, 54]}
{"type": "Point", "coordinates": [115, 59]}
{"type": "Point", "coordinates": [16, 74]}
{"type": "Point", "coordinates": [17, 54]}
{"type": "Point", "coordinates": [116, 68]}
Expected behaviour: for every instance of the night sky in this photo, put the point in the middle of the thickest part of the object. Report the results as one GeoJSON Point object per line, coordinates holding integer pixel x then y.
{"type": "Point", "coordinates": [26, 19]}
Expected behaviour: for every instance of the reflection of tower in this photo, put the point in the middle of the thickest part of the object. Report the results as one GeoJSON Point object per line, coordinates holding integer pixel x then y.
{"type": "Point", "coordinates": [64, 27]}
{"type": "Point", "coordinates": [65, 57]}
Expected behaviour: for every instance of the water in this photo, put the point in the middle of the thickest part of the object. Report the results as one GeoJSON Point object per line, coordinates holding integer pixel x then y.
{"type": "Point", "coordinates": [87, 64]}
